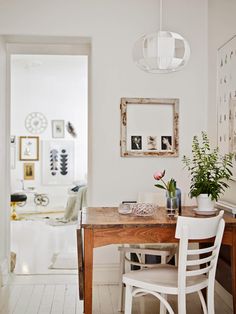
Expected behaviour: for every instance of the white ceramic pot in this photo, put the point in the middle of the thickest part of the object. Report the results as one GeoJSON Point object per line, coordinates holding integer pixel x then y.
{"type": "Point", "coordinates": [205, 202]}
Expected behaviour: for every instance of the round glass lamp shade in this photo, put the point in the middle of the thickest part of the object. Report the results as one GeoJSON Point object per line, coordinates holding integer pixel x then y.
{"type": "Point", "coordinates": [161, 52]}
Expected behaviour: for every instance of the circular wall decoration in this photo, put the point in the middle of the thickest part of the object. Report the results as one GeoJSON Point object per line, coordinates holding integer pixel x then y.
{"type": "Point", "coordinates": [36, 123]}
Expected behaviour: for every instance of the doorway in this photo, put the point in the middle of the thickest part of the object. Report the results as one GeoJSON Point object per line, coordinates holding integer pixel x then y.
{"type": "Point", "coordinates": [49, 154]}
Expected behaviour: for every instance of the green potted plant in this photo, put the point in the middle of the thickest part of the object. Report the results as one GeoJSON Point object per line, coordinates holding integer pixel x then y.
{"type": "Point", "coordinates": [209, 172]}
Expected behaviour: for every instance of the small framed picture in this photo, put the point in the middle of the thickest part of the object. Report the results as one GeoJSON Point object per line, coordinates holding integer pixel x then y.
{"type": "Point", "coordinates": [151, 143]}
{"type": "Point", "coordinates": [136, 142]}
{"type": "Point", "coordinates": [13, 139]}
{"type": "Point", "coordinates": [29, 148]}
{"type": "Point", "coordinates": [28, 171]}
{"type": "Point", "coordinates": [58, 128]}
{"type": "Point", "coordinates": [166, 143]}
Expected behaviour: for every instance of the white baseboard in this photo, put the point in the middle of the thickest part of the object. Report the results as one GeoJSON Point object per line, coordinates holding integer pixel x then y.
{"type": "Point", "coordinates": [106, 274]}
{"type": "Point", "coordinates": [225, 295]}
{"type": "Point", "coordinates": [4, 272]}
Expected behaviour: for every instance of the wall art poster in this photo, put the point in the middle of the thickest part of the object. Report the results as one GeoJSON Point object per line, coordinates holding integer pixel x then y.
{"type": "Point", "coordinates": [58, 162]}
{"type": "Point", "coordinates": [226, 99]}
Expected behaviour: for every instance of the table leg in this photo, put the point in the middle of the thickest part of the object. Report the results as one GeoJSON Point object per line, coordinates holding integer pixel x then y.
{"type": "Point", "coordinates": [233, 267]}
{"type": "Point", "coordinates": [80, 255]}
{"type": "Point", "coordinates": [88, 270]}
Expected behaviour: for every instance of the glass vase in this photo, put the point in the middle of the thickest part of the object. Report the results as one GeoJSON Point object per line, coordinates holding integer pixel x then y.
{"type": "Point", "coordinates": [172, 206]}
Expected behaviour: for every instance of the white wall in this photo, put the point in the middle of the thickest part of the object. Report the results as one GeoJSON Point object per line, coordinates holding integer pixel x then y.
{"type": "Point", "coordinates": [122, 178]}
{"type": "Point", "coordinates": [222, 27]}
{"type": "Point", "coordinates": [56, 86]}
{"type": "Point", "coordinates": [113, 27]}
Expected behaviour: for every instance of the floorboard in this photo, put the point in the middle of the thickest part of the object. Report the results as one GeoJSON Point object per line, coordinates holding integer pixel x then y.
{"type": "Point", "coordinates": [47, 299]}
{"type": "Point", "coordinates": [59, 295]}
{"type": "Point", "coordinates": [58, 300]}
{"type": "Point", "coordinates": [24, 299]}
{"type": "Point", "coordinates": [10, 299]}
{"type": "Point", "coordinates": [70, 299]}
{"type": "Point", "coordinates": [35, 300]}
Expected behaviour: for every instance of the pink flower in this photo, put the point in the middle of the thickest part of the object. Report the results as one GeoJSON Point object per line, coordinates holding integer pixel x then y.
{"type": "Point", "coordinates": [158, 175]}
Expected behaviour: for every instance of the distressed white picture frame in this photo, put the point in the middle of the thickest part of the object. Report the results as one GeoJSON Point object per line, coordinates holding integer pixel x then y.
{"type": "Point", "coordinates": [149, 127]}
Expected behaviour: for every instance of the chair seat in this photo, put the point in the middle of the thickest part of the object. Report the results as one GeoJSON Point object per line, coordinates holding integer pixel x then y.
{"type": "Point", "coordinates": [18, 198]}
{"type": "Point", "coordinates": [163, 279]}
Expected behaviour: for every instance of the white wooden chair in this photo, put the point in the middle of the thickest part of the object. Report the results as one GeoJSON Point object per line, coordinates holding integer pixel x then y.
{"type": "Point", "coordinates": [164, 251]}
{"type": "Point", "coordinates": [191, 275]}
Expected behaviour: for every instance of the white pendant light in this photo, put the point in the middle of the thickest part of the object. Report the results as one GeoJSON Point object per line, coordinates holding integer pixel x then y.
{"type": "Point", "coordinates": [162, 51]}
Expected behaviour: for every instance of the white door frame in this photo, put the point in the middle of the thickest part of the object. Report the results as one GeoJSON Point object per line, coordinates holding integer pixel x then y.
{"type": "Point", "coordinates": [32, 45]}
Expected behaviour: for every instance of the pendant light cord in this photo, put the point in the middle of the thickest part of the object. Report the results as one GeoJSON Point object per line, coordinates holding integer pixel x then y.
{"type": "Point", "coordinates": [160, 15]}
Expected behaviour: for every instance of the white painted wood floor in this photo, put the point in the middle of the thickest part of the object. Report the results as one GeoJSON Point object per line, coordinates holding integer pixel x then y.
{"type": "Point", "coordinates": [57, 294]}
{"type": "Point", "coordinates": [35, 242]}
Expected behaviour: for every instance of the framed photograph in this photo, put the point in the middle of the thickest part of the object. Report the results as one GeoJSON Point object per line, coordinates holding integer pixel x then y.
{"type": "Point", "coordinates": [149, 127]}
{"type": "Point", "coordinates": [136, 142]}
{"type": "Point", "coordinates": [29, 148]}
{"type": "Point", "coordinates": [28, 171]}
{"type": "Point", "coordinates": [13, 139]}
{"type": "Point", "coordinates": [151, 142]}
{"type": "Point", "coordinates": [166, 142]}
{"type": "Point", "coordinates": [58, 129]}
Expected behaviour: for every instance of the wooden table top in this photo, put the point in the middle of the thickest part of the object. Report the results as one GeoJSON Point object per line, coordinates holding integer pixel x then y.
{"type": "Point", "coordinates": [108, 217]}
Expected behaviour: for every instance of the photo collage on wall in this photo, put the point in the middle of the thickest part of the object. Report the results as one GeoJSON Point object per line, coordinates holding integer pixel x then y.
{"type": "Point", "coordinates": [226, 99]}
{"type": "Point", "coordinates": [59, 157]}
{"type": "Point", "coordinates": [151, 143]}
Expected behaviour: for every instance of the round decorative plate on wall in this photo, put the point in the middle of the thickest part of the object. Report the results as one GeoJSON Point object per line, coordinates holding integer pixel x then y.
{"type": "Point", "coordinates": [36, 123]}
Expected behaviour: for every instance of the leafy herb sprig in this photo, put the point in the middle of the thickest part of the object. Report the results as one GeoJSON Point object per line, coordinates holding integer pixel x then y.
{"type": "Point", "coordinates": [208, 169]}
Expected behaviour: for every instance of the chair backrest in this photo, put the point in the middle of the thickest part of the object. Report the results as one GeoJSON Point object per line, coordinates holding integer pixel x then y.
{"type": "Point", "coordinates": [196, 262]}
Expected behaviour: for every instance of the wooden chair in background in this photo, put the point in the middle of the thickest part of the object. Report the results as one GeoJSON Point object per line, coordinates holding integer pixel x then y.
{"type": "Point", "coordinates": [144, 252]}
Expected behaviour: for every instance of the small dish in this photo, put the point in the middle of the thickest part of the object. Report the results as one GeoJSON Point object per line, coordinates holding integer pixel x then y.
{"type": "Point", "coordinates": [205, 212]}
{"type": "Point", "coordinates": [125, 209]}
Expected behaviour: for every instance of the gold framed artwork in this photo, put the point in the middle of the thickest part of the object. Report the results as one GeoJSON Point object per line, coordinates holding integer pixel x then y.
{"type": "Point", "coordinates": [29, 148]}
{"type": "Point", "coordinates": [149, 127]}
{"type": "Point", "coordinates": [29, 173]}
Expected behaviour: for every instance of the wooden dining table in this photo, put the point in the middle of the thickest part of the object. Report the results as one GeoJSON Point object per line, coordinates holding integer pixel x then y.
{"type": "Point", "coordinates": [100, 226]}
